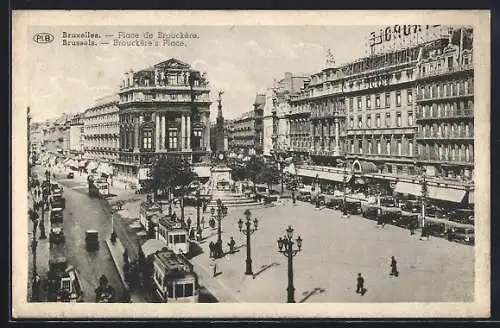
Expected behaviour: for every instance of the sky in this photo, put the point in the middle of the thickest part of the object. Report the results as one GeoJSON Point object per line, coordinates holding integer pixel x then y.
{"type": "Point", "coordinates": [241, 60]}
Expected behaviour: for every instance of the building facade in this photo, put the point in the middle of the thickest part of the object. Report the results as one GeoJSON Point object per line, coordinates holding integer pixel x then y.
{"type": "Point", "coordinates": [164, 109]}
{"type": "Point", "coordinates": [299, 125]}
{"type": "Point", "coordinates": [76, 134]}
{"type": "Point", "coordinates": [101, 131]}
{"type": "Point", "coordinates": [268, 123]}
{"type": "Point", "coordinates": [290, 84]}
{"type": "Point", "coordinates": [247, 135]}
{"type": "Point", "coordinates": [445, 111]}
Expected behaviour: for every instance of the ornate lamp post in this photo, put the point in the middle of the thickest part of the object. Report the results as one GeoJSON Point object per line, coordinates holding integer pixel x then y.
{"type": "Point", "coordinates": [170, 201]}
{"type": "Point", "coordinates": [248, 230]}
{"type": "Point", "coordinates": [285, 247]}
{"type": "Point", "coordinates": [42, 224]}
{"type": "Point", "coordinates": [221, 213]}
{"type": "Point", "coordinates": [197, 209]}
{"type": "Point", "coordinates": [34, 218]}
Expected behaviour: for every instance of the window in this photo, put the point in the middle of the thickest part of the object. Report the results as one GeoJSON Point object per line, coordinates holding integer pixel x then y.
{"type": "Point", "coordinates": [147, 139]}
{"type": "Point", "coordinates": [359, 103]}
{"type": "Point", "coordinates": [170, 290]}
{"type": "Point", "coordinates": [388, 119]}
{"type": "Point", "coordinates": [368, 101]}
{"type": "Point", "coordinates": [178, 239]}
{"type": "Point", "coordinates": [399, 147]}
{"type": "Point", "coordinates": [352, 146]}
{"type": "Point", "coordinates": [360, 122]}
{"type": "Point", "coordinates": [188, 290]}
{"type": "Point", "coordinates": [172, 139]}
{"type": "Point", "coordinates": [410, 118]}
{"type": "Point", "coordinates": [398, 119]}
{"type": "Point", "coordinates": [378, 120]}
{"type": "Point", "coordinates": [409, 96]}
{"type": "Point", "coordinates": [360, 146]}
{"type": "Point", "coordinates": [369, 147]}
{"type": "Point", "coordinates": [398, 99]}
{"type": "Point", "coordinates": [351, 122]}
{"type": "Point", "coordinates": [179, 290]}
{"type": "Point", "coordinates": [387, 100]}
{"type": "Point", "coordinates": [377, 101]}
{"type": "Point", "coordinates": [379, 149]}
{"type": "Point", "coordinates": [351, 103]}
{"type": "Point", "coordinates": [368, 121]}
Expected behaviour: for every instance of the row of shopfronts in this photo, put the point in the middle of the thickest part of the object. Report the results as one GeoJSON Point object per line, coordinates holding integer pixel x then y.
{"type": "Point", "coordinates": [362, 178]}
{"type": "Point", "coordinates": [76, 164]}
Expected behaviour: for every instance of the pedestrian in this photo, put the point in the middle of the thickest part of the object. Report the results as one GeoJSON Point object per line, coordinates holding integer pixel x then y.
{"type": "Point", "coordinates": [198, 233]}
{"type": "Point", "coordinates": [213, 265]}
{"type": "Point", "coordinates": [412, 227]}
{"type": "Point", "coordinates": [231, 245]}
{"type": "Point", "coordinates": [211, 246]}
{"type": "Point", "coordinates": [394, 267]}
{"type": "Point", "coordinates": [204, 206]}
{"type": "Point", "coordinates": [188, 222]}
{"type": "Point", "coordinates": [360, 286]}
{"type": "Point", "coordinates": [449, 232]}
{"type": "Point", "coordinates": [202, 222]}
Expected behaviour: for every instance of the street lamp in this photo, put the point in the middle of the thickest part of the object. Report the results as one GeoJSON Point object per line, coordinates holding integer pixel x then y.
{"type": "Point", "coordinates": [170, 198]}
{"type": "Point", "coordinates": [423, 201]}
{"type": "Point", "coordinates": [248, 230]}
{"type": "Point", "coordinates": [197, 208]}
{"type": "Point", "coordinates": [221, 213]}
{"type": "Point", "coordinates": [285, 247]}
{"type": "Point", "coordinates": [34, 218]}
{"type": "Point", "coordinates": [42, 224]}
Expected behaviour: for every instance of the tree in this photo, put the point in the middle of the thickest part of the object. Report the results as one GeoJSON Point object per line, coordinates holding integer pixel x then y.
{"type": "Point", "coordinates": [254, 166]}
{"type": "Point", "coordinates": [170, 172]}
{"type": "Point", "coordinates": [268, 175]}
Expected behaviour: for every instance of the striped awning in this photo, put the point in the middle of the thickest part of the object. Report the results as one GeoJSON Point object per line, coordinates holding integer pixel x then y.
{"type": "Point", "coordinates": [434, 192]}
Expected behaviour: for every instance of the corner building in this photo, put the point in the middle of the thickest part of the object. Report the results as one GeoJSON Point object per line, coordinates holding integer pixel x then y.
{"type": "Point", "coordinates": [445, 117]}
{"type": "Point", "coordinates": [164, 110]}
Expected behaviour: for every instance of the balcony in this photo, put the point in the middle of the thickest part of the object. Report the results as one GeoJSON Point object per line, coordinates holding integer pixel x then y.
{"type": "Point", "coordinates": [204, 99]}
{"type": "Point", "coordinates": [456, 114]}
{"type": "Point", "coordinates": [163, 87]}
{"type": "Point", "coordinates": [455, 137]}
{"type": "Point", "coordinates": [422, 98]}
{"type": "Point", "coordinates": [436, 159]}
{"type": "Point", "coordinates": [326, 114]}
{"type": "Point", "coordinates": [445, 71]}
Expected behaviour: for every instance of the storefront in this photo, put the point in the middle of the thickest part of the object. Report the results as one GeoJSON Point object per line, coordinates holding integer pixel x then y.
{"type": "Point", "coordinates": [447, 193]}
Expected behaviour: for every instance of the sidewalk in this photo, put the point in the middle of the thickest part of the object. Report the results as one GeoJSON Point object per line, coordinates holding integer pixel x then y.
{"type": "Point", "coordinates": [116, 250]}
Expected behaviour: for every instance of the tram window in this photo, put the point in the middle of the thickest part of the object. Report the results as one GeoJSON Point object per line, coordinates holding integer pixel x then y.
{"type": "Point", "coordinates": [179, 239]}
{"type": "Point", "coordinates": [188, 290]}
{"type": "Point", "coordinates": [179, 290]}
{"type": "Point", "coordinates": [170, 290]}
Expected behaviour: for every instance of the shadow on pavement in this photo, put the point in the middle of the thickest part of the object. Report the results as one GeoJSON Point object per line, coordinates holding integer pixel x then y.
{"type": "Point", "coordinates": [206, 297]}
{"type": "Point", "coordinates": [307, 294]}
{"type": "Point", "coordinates": [195, 250]}
{"type": "Point", "coordinates": [264, 268]}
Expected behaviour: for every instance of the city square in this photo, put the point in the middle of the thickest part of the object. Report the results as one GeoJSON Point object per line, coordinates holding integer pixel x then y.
{"type": "Point", "coordinates": [352, 182]}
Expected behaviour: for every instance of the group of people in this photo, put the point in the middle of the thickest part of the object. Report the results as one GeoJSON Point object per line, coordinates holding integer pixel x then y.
{"type": "Point", "coordinates": [360, 281]}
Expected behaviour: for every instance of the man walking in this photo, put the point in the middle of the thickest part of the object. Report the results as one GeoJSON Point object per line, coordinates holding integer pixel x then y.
{"type": "Point", "coordinates": [360, 286]}
{"type": "Point", "coordinates": [394, 267]}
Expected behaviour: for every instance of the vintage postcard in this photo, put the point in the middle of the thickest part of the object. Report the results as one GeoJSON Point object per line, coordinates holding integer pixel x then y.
{"type": "Point", "coordinates": [164, 160]}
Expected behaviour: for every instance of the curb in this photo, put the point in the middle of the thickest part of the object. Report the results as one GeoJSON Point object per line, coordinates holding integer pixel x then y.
{"type": "Point", "coordinates": [120, 272]}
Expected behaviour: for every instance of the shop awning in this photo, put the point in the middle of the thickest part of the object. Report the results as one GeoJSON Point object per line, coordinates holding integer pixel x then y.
{"type": "Point", "coordinates": [202, 171]}
{"type": "Point", "coordinates": [323, 174]}
{"type": "Point", "coordinates": [448, 194]}
{"type": "Point", "coordinates": [408, 188]}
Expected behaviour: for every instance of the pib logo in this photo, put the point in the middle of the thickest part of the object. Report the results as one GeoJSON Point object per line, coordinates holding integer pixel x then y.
{"type": "Point", "coordinates": [43, 38]}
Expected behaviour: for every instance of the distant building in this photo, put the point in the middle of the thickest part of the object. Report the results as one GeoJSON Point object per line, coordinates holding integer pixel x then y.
{"type": "Point", "coordinates": [101, 131]}
{"type": "Point", "coordinates": [76, 135]}
{"type": "Point", "coordinates": [247, 135]}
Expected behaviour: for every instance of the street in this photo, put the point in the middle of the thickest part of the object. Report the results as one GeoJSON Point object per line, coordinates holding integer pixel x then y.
{"type": "Point", "coordinates": [81, 214]}
{"type": "Point", "coordinates": [334, 251]}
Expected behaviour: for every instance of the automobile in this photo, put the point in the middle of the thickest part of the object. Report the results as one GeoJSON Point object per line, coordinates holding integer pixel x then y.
{"type": "Point", "coordinates": [334, 203]}
{"type": "Point", "coordinates": [408, 220]}
{"type": "Point", "coordinates": [56, 235]}
{"type": "Point", "coordinates": [434, 211]}
{"type": "Point", "coordinates": [411, 206]}
{"type": "Point", "coordinates": [57, 201]}
{"type": "Point", "coordinates": [387, 201]}
{"type": "Point", "coordinates": [464, 235]}
{"type": "Point", "coordinates": [56, 215]}
{"type": "Point", "coordinates": [92, 240]}
{"type": "Point", "coordinates": [465, 216]}
{"type": "Point", "coordinates": [304, 197]}
{"type": "Point", "coordinates": [353, 206]}
{"type": "Point", "coordinates": [370, 212]}
{"type": "Point", "coordinates": [70, 175]}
